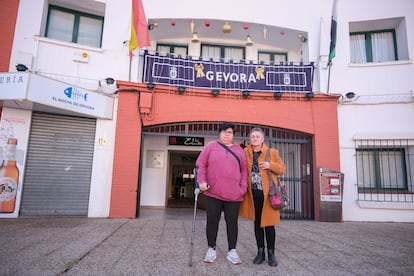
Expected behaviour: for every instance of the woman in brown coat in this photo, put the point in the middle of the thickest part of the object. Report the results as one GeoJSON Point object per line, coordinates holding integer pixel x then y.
{"type": "Point", "coordinates": [256, 205]}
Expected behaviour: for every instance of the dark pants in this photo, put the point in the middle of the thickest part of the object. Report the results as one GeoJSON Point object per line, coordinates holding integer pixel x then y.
{"type": "Point", "coordinates": [231, 214]}
{"type": "Point", "coordinates": [260, 232]}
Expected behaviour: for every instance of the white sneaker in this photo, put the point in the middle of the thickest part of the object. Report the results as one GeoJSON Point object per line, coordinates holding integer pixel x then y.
{"type": "Point", "coordinates": [233, 257]}
{"type": "Point", "coordinates": [210, 255]}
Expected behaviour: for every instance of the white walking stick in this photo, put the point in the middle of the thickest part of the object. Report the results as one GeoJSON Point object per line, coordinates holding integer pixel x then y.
{"type": "Point", "coordinates": [196, 192]}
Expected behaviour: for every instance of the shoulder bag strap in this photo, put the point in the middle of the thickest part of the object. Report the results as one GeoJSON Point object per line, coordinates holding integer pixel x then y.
{"type": "Point", "coordinates": [269, 174]}
{"type": "Point", "coordinates": [235, 156]}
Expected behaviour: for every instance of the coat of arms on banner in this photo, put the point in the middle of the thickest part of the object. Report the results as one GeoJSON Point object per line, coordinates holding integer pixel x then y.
{"type": "Point", "coordinates": [286, 78]}
{"type": "Point", "coordinates": [173, 72]}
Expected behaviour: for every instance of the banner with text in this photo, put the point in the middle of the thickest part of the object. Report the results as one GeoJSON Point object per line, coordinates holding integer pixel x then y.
{"type": "Point", "coordinates": [227, 75]}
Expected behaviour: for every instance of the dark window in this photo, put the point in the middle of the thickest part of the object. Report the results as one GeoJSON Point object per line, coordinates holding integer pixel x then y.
{"type": "Point", "coordinates": [381, 168]}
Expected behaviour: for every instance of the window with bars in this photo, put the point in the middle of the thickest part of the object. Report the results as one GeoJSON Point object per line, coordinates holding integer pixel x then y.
{"type": "Point", "coordinates": [74, 26]}
{"type": "Point", "coordinates": [385, 170]}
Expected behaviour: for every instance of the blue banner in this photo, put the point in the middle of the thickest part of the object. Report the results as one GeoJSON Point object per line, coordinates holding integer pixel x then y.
{"type": "Point", "coordinates": [229, 75]}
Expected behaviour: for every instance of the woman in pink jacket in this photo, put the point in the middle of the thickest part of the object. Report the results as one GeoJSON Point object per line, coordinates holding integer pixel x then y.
{"type": "Point", "coordinates": [222, 176]}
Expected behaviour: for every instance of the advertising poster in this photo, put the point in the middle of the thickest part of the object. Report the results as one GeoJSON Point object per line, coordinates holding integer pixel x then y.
{"type": "Point", "coordinates": [14, 130]}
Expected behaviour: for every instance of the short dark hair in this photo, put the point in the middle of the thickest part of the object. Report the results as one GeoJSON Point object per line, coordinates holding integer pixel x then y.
{"type": "Point", "coordinates": [227, 125]}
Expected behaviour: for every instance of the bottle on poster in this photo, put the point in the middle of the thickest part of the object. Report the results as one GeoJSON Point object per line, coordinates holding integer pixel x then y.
{"type": "Point", "coordinates": [9, 178]}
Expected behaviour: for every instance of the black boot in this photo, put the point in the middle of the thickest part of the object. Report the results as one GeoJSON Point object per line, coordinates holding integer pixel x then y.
{"type": "Point", "coordinates": [260, 256]}
{"type": "Point", "coordinates": [271, 257]}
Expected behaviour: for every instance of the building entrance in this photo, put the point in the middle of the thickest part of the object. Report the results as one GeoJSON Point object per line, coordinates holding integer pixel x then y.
{"type": "Point", "coordinates": [181, 179]}
{"type": "Point", "coordinates": [295, 149]}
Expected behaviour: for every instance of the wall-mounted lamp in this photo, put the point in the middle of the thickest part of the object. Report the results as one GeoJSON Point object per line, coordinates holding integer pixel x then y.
{"type": "Point", "coordinates": [350, 95]}
{"type": "Point", "coordinates": [245, 94]}
{"type": "Point", "coordinates": [195, 38]}
{"type": "Point", "coordinates": [302, 38]}
{"type": "Point", "coordinates": [309, 95]}
{"type": "Point", "coordinates": [181, 89]}
{"type": "Point", "coordinates": [249, 41]}
{"type": "Point", "coordinates": [277, 95]}
{"type": "Point", "coordinates": [152, 26]}
{"type": "Point", "coordinates": [21, 68]}
{"type": "Point", "coordinates": [150, 85]}
{"type": "Point", "coordinates": [215, 92]}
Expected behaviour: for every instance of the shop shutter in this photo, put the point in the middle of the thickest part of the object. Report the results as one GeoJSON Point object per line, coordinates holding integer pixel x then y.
{"type": "Point", "coordinates": [58, 166]}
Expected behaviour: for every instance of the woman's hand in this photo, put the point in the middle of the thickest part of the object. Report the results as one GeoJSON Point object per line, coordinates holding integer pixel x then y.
{"type": "Point", "coordinates": [204, 186]}
{"type": "Point", "coordinates": [264, 165]}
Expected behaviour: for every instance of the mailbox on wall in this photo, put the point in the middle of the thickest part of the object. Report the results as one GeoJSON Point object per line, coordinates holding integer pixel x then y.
{"type": "Point", "coordinates": [330, 186]}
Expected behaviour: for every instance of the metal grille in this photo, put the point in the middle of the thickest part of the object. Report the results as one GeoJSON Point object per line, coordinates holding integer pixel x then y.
{"type": "Point", "coordinates": [58, 166]}
{"type": "Point", "coordinates": [385, 169]}
{"type": "Point", "coordinates": [294, 148]}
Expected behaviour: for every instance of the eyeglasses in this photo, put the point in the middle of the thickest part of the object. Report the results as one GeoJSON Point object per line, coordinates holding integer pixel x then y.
{"type": "Point", "coordinates": [227, 132]}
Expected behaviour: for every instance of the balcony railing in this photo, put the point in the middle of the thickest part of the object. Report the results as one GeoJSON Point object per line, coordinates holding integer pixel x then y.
{"type": "Point", "coordinates": [227, 74]}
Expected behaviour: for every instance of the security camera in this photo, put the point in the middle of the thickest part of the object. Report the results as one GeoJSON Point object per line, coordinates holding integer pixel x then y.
{"type": "Point", "coordinates": [350, 95]}
{"type": "Point", "coordinates": [21, 67]}
{"type": "Point", "coordinates": [107, 86]}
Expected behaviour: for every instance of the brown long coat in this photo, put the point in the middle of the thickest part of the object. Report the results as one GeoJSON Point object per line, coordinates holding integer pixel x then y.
{"type": "Point", "coordinates": [270, 216]}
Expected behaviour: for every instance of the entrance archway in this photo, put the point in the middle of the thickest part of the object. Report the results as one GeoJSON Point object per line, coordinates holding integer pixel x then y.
{"type": "Point", "coordinates": [295, 149]}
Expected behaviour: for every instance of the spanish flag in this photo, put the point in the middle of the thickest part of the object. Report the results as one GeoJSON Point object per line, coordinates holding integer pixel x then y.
{"type": "Point", "coordinates": [139, 27]}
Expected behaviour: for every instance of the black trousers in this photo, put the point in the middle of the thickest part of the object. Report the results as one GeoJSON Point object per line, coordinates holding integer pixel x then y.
{"type": "Point", "coordinates": [214, 207]}
{"type": "Point", "coordinates": [260, 232]}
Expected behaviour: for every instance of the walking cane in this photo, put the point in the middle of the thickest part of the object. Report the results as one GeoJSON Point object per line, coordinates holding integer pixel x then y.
{"type": "Point", "coordinates": [196, 192]}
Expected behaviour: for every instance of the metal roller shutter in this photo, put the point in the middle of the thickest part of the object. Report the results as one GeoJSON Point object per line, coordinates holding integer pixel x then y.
{"type": "Point", "coordinates": [58, 166]}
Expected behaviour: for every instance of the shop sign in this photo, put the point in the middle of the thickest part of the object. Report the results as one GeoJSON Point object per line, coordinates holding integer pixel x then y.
{"type": "Point", "coordinates": [185, 141]}
{"type": "Point", "coordinates": [64, 96]}
{"type": "Point", "coordinates": [13, 85]}
{"type": "Point", "coordinates": [35, 88]}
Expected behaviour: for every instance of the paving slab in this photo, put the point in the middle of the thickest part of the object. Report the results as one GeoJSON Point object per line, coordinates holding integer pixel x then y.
{"type": "Point", "coordinates": [158, 243]}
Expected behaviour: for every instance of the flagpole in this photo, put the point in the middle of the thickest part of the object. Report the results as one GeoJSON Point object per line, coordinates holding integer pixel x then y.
{"type": "Point", "coordinates": [130, 65]}
{"type": "Point", "coordinates": [332, 46]}
{"type": "Point", "coordinates": [329, 75]}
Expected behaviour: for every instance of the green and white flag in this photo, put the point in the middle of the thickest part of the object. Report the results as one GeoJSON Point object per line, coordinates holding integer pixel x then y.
{"type": "Point", "coordinates": [332, 46]}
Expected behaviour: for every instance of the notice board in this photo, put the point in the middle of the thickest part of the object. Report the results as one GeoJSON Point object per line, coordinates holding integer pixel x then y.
{"type": "Point", "coordinates": [330, 186]}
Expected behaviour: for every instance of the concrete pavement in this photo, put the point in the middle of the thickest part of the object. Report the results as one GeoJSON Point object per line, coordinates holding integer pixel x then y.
{"type": "Point", "coordinates": [158, 243]}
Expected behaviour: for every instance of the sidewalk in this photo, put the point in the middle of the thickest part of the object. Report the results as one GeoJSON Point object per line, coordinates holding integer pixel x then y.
{"type": "Point", "coordinates": [158, 243]}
